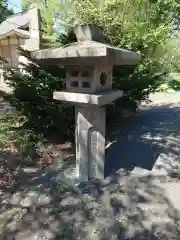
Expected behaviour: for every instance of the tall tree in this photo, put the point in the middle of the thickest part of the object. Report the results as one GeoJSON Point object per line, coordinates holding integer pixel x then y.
{"type": "Point", "coordinates": [144, 26]}
{"type": "Point", "coordinates": [53, 14]}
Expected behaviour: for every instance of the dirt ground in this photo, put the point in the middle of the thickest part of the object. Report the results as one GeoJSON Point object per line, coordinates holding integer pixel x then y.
{"type": "Point", "coordinates": [139, 198]}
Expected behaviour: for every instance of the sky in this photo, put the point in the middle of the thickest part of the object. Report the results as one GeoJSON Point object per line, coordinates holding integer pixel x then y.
{"type": "Point", "coordinates": [15, 5]}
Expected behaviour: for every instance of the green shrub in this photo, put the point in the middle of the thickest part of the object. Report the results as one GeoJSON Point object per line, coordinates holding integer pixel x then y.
{"type": "Point", "coordinates": [138, 25]}
{"type": "Point", "coordinates": [33, 98]}
{"type": "Point", "coordinates": [174, 84]}
{"type": "Point", "coordinates": [163, 87]}
{"type": "Point", "coordinates": [141, 26]}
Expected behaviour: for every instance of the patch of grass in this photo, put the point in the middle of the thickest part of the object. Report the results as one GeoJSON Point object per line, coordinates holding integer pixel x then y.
{"type": "Point", "coordinates": [171, 83]}
{"type": "Point", "coordinates": [16, 138]}
{"type": "Point", "coordinates": [174, 84]}
{"type": "Point", "coordinates": [19, 150]}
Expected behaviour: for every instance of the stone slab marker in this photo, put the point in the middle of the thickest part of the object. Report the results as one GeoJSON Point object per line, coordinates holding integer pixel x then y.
{"type": "Point", "coordinates": [89, 64]}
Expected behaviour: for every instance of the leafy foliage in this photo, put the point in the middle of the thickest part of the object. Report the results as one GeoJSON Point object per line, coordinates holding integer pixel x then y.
{"type": "Point", "coordinates": [32, 96]}
{"type": "Point", "coordinates": [54, 16]}
{"type": "Point", "coordinates": [138, 25]}
{"type": "Point", "coordinates": [23, 140]}
{"type": "Point", "coordinates": [4, 11]}
{"type": "Point", "coordinates": [174, 84]}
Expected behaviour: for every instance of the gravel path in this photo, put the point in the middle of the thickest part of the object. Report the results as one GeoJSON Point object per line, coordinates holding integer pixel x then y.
{"type": "Point", "coordinates": [141, 200]}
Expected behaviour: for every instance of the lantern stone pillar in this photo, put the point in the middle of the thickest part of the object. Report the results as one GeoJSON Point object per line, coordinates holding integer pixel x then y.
{"type": "Point", "coordinates": [90, 142]}
{"type": "Point", "coordinates": [88, 65]}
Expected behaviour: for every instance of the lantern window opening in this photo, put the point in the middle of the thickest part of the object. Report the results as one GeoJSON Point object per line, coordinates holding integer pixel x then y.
{"type": "Point", "coordinates": [86, 84]}
{"type": "Point", "coordinates": [74, 73]}
{"type": "Point", "coordinates": [103, 79]}
{"type": "Point", "coordinates": [86, 74]}
{"type": "Point", "coordinates": [74, 84]}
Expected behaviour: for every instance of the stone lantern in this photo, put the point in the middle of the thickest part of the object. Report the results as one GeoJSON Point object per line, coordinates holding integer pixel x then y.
{"type": "Point", "coordinates": [89, 63]}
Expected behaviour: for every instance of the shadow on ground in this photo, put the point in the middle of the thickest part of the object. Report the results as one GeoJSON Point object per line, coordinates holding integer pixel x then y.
{"type": "Point", "coordinates": [124, 206]}
{"type": "Point", "coordinates": [140, 143]}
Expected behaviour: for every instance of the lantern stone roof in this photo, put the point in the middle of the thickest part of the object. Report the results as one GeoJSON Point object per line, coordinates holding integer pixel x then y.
{"type": "Point", "coordinates": [86, 50]}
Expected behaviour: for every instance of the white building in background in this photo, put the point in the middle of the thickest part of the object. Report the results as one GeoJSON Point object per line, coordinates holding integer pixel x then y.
{"type": "Point", "coordinates": [18, 30]}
